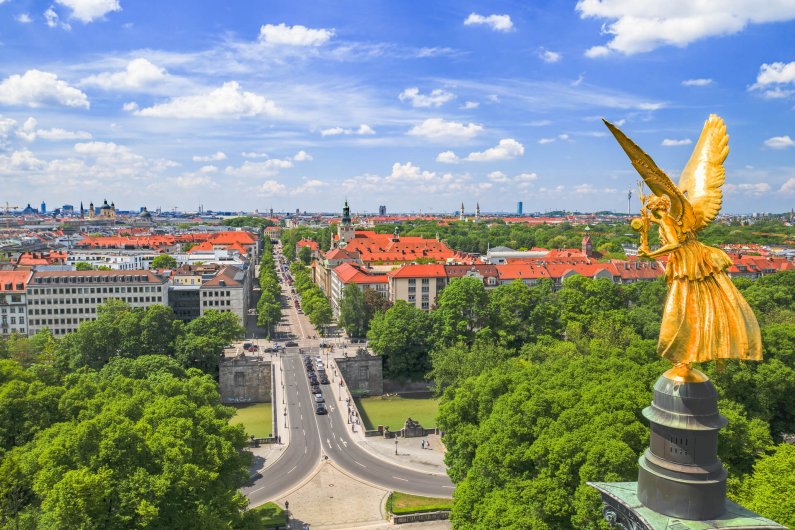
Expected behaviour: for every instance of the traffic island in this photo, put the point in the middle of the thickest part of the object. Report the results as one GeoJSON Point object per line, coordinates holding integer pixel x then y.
{"type": "Point", "coordinates": [407, 508]}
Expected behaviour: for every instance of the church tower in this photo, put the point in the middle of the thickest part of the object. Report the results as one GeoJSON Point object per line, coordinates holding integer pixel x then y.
{"type": "Point", "coordinates": [345, 229]}
{"type": "Point", "coordinates": [587, 246]}
{"type": "Point", "coordinates": [91, 210]}
{"type": "Point", "coordinates": [461, 213]}
{"type": "Point", "coordinates": [477, 211]}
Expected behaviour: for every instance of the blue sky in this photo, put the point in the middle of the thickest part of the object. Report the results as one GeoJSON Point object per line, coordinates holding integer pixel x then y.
{"type": "Point", "coordinates": [415, 105]}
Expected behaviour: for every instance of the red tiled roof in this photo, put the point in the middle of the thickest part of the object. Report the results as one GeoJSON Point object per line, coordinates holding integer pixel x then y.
{"type": "Point", "coordinates": [351, 273]}
{"type": "Point", "coordinates": [14, 280]}
{"type": "Point", "coordinates": [308, 243]}
{"type": "Point", "coordinates": [513, 271]}
{"type": "Point", "coordinates": [431, 270]}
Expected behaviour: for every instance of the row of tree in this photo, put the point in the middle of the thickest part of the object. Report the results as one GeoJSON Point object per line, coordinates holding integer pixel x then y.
{"type": "Point", "coordinates": [289, 237]}
{"type": "Point", "coordinates": [269, 306]}
{"type": "Point", "coordinates": [315, 304]}
{"type": "Point", "coordinates": [542, 391]}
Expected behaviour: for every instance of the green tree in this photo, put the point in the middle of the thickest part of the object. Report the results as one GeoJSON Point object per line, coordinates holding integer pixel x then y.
{"type": "Point", "coordinates": [305, 255]}
{"type": "Point", "coordinates": [375, 302]}
{"type": "Point", "coordinates": [768, 491]}
{"type": "Point", "coordinates": [353, 311]}
{"type": "Point", "coordinates": [83, 266]}
{"type": "Point", "coordinates": [462, 309]}
{"type": "Point", "coordinates": [164, 261]}
{"type": "Point", "coordinates": [403, 336]}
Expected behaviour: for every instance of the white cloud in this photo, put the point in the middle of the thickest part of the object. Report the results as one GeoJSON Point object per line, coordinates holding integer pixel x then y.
{"type": "Point", "coordinates": [208, 169]}
{"type": "Point", "coordinates": [408, 172]}
{"type": "Point", "coordinates": [294, 35]}
{"type": "Point", "coordinates": [20, 161]}
{"type": "Point", "coordinates": [29, 132]}
{"type": "Point", "coordinates": [543, 141]}
{"type": "Point", "coordinates": [100, 148]}
{"type": "Point", "coordinates": [190, 181]}
{"type": "Point", "coordinates": [447, 157]}
{"type": "Point", "coordinates": [469, 105]}
{"type": "Point", "coordinates": [756, 189]}
{"type": "Point", "coordinates": [271, 188]}
{"type": "Point", "coordinates": [549, 56]}
{"type": "Point", "coordinates": [697, 82]}
{"type": "Point", "coordinates": [251, 154]}
{"type": "Point", "coordinates": [438, 129]}
{"type": "Point", "coordinates": [773, 79]}
{"type": "Point", "coordinates": [597, 51]}
{"type": "Point", "coordinates": [775, 73]}
{"type": "Point", "coordinates": [669, 142]}
{"type": "Point", "coordinates": [23, 18]}
{"type": "Point", "coordinates": [641, 26]}
{"type": "Point", "coordinates": [363, 130]}
{"type": "Point", "coordinates": [526, 177]}
{"type": "Point", "coordinates": [225, 102]}
{"type": "Point", "coordinates": [506, 149]}
{"type": "Point", "coordinates": [302, 156]}
{"type": "Point", "coordinates": [139, 73]}
{"type": "Point", "coordinates": [436, 98]}
{"type": "Point", "coordinates": [780, 142]}
{"type": "Point", "coordinates": [35, 88]}
{"type": "Point", "coordinates": [565, 137]}
{"type": "Point", "coordinates": [268, 168]}
{"type": "Point", "coordinates": [789, 186]}
{"type": "Point", "coordinates": [51, 17]}
{"type": "Point", "coordinates": [220, 155]}
{"type": "Point", "coordinates": [499, 177]}
{"type": "Point", "coordinates": [89, 10]}
{"type": "Point", "coordinates": [495, 22]}
{"type": "Point", "coordinates": [310, 186]}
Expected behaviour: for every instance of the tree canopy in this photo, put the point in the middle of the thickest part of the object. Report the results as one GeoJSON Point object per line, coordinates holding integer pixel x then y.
{"type": "Point", "coordinates": [164, 261]}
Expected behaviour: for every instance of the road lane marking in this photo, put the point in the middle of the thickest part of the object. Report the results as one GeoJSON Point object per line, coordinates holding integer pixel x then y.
{"type": "Point", "coordinates": [339, 448]}
{"type": "Point", "coordinates": [401, 478]}
{"type": "Point", "coordinates": [449, 487]}
{"type": "Point", "coordinates": [293, 469]}
{"type": "Point", "coordinates": [360, 463]}
{"type": "Point", "coordinates": [344, 442]}
{"type": "Point", "coordinates": [329, 443]}
{"type": "Point", "coordinates": [256, 490]}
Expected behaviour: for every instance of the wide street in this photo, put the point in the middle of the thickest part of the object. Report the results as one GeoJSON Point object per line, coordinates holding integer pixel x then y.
{"type": "Point", "coordinates": [315, 438]}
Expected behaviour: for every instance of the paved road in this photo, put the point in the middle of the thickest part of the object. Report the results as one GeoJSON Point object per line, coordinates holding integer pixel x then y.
{"type": "Point", "coordinates": [314, 437]}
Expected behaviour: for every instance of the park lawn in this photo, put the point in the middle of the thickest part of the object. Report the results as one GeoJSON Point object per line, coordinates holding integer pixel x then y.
{"type": "Point", "coordinates": [257, 418]}
{"type": "Point", "coordinates": [269, 515]}
{"type": "Point", "coordinates": [392, 411]}
{"type": "Point", "coordinates": [403, 503]}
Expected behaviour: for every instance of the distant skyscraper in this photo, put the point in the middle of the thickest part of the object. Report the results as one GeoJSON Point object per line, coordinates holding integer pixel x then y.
{"type": "Point", "coordinates": [519, 208]}
{"type": "Point", "coordinates": [43, 207]}
{"type": "Point", "coordinates": [382, 210]}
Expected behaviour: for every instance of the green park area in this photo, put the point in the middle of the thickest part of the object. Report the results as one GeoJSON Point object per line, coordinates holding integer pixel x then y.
{"type": "Point", "coordinates": [269, 515]}
{"type": "Point", "coordinates": [257, 418]}
{"type": "Point", "coordinates": [392, 411]}
{"type": "Point", "coordinates": [403, 503]}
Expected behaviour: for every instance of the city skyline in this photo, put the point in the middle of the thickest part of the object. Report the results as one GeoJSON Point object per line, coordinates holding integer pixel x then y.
{"type": "Point", "coordinates": [407, 105]}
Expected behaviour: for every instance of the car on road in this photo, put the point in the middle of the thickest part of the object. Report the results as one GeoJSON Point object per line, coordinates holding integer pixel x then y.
{"type": "Point", "coordinates": [321, 409]}
{"type": "Point", "coordinates": [253, 348]}
{"type": "Point", "coordinates": [319, 398]}
{"type": "Point", "coordinates": [291, 344]}
{"type": "Point", "coordinates": [323, 379]}
{"type": "Point", "coordinates": [315, 389]}
{"type": "Point", "coordinates": [246, 345]}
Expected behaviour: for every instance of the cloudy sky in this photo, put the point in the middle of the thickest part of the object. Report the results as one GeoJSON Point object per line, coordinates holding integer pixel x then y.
{"type": "Point", "coordinates": [415, 105]}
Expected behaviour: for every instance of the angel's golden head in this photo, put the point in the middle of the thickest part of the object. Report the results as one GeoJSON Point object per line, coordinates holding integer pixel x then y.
{"type": "Point", "coordinates": [655, 203]}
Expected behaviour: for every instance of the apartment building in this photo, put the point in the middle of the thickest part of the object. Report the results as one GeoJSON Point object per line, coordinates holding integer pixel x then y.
{"type": "Point", "coordinates": [227, 291]}
{"type": "Point", "coordinates": [61, 300]}
{"type": "Point", "coordinates": [13, 302]}
{"type": "Point", "coordinates": [417, 284]}
{"type": "Point", "coordinates": [349, 273]}
{"type": "Point", "coordinates": [122, 260]}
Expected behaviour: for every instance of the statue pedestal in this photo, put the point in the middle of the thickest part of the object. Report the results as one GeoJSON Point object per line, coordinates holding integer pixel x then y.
{"type": "Point", "coordinates": [623, 510]}
{"type": "Point", "coordinates": [681, 481]}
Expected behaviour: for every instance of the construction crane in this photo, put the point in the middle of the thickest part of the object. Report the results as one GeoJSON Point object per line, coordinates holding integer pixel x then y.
{"type": "Point", "coordinates": [6, 208]}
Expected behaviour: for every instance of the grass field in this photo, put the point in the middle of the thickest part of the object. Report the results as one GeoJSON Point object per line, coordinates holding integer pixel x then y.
{"type": "Point", "coordinates": [269, 515]}
{"type": "Point", "coordinates": [392, 411]}
{"type": "Point", "coordinates": [257, 418]}
{"type": "Point", "coordinates": [403, 503]}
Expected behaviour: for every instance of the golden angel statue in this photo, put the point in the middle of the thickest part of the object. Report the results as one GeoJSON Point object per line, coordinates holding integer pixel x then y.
{"type": "Point", "coordinates": [705, 316]}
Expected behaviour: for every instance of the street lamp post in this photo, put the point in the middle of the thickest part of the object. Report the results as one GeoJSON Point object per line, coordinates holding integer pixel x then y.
{"type": "Point", "coordinates": [396, 444]}
{"type": "Point", "coordinates": [285, 418]}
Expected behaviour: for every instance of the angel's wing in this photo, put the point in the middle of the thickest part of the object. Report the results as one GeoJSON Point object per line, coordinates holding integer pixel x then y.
{"type": "Point", "coordinates": [655, 178]}
{"type": "Point", "coordinates": [703, 175]}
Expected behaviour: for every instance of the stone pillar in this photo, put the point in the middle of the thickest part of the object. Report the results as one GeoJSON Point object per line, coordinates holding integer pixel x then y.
{"type": "Point", "coordinates": [680, 473]}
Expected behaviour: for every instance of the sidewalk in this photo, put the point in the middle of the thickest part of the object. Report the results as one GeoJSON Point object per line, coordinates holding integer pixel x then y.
{"type": "Point", "coordinates": [410, 453]}
{"type": "Point", "coordinates": [266, 454]}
